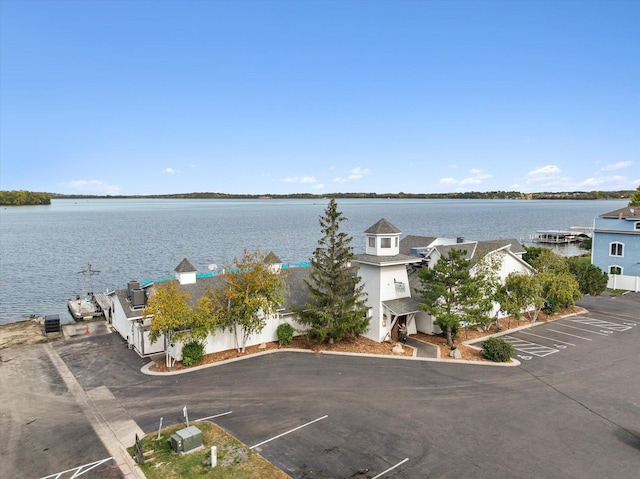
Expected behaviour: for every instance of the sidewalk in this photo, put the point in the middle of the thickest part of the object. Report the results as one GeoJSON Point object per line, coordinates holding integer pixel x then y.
{"type": "Point", "coordinates": [107, 417]}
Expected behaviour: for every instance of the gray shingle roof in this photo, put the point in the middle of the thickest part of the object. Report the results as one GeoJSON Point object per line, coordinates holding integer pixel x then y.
{"type": "Point", "coordinates": [412, 241]}
{"type": "Point", "coordinates": [382, 227]}
{"type": "Point", "coordinates": [185, 267]}
{"type": "Point", "coordinates": [628, 212]}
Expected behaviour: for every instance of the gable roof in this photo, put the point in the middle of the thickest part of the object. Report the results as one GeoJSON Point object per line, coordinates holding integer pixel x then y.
{"type": "Point", "coordinates": [185, 267]}
{"type": "Point", "coordinates": [412, 241]}
{"type": "Point", "coordinates": [272, 258]}
{"type": "Point", "coordinates": [627, 213]}
{"type": "Point", "coordinates": [383, 227]}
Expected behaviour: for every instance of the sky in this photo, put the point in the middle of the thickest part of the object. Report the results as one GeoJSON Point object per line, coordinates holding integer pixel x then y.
{"type": "Point", "coordinates": [119, 97]}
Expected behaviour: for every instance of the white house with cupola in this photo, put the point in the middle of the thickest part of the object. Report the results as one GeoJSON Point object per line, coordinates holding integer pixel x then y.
{"type": "Point", "coordinates": [389, 271]}
{"type": "Point", "coordinates": [384, 274]}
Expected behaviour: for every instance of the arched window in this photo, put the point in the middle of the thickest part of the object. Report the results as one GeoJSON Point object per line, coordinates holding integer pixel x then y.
{"type": "Point", "coordinates": [615, 269]}
{"type": "Point", "coordinates": [616, 249]}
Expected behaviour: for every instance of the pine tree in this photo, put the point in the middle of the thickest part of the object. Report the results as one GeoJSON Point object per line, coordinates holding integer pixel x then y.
{"type": "Point", "coordinates": [336, 308]}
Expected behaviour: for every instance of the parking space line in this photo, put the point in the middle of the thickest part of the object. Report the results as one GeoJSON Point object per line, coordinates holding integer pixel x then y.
{"type": "Point", "coordinates": [529, 347]}
{"type": "Point", "coordinates": [391, 468]}
{"type": "Point", "coordinates": [569, 334]}
{"type": "Point", "coordinates": [290, 431]}
{"type": "Point", "coordinates": [600, 323]}
{"type": "Point", "coordinates": [581, 329]}
{"type": "Point", "coordinates": [550, 339]}
{"type": "Point", "coordinates": [211, 417]}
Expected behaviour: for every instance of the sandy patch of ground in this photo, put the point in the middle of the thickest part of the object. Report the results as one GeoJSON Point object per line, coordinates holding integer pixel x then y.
{"type": "Point", "coordinates": [22, 333]}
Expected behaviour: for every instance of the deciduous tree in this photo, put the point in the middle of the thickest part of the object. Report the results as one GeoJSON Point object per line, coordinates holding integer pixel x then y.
{"type": "Point", "coordinates": [336, 308]}
{"type": "Point", "coordinates": [521, 293]}
{"type": "Point", "coordinates": [251, 291]}
{"type": "Point", "coordinates": [171, 314]}
{"type": "Point", "coordinates": [560, 290]}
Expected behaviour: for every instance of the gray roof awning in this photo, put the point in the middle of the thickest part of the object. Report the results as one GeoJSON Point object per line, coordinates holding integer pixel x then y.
{"type": "Point", "coordinates": [402, 306]}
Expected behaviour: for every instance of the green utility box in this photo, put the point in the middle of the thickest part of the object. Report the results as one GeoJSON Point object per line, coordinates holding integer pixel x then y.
{"type": "Point", "coordinates": [186, 440]}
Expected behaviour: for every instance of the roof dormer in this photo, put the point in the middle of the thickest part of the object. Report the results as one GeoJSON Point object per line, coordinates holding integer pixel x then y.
{"type": "Point", "coordinates": [383, 239]}
{"type": "Point", "coordinates": [186, 272]}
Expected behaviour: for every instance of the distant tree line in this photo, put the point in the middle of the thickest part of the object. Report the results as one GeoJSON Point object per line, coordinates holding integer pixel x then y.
{"type": "Point", "coordinates": [482, 195]}
{"type": "Point", "coordinates": [23, 197]}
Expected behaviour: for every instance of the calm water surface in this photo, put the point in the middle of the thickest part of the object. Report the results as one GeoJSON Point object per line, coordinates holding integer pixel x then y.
{"type": "Point", "coordinates": [44, 247]}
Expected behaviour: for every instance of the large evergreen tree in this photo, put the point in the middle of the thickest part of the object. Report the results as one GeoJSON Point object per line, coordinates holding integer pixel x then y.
{"type": "Point", "coordinates": [336, 308]}
{"type": "Point", "coordinates": [450, 292]}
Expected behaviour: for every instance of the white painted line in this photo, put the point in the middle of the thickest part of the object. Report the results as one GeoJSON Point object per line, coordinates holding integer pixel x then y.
{"type": "Point", "coordinates": [550, 339]}
{"type": "Point", "coordinates": [390, 469]}
{"type": "Point", "coordinates": [568, 334]}
{"type": "Point", "coordinates": [211, 417]}
{"type": "Point", "coordinates": [601, 323]}
{"type": "Point", "coordinates": [580, 329]}
{"type": "Point", "coordinates": [290, 431]}
{"type": "Point", "coordinates": [80, 469]}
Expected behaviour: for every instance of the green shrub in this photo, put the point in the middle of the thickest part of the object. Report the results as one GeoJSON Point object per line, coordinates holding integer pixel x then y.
{"type": "Point", "coordinates": [285, 334]}
{"type": "Point", "coordinates": [497, 349]}
{"type": "Point", "coordinates": [192, 353]}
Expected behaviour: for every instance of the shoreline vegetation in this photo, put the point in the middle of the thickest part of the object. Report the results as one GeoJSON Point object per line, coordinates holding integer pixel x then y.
{"type": "Point", "coordinates": [24, 198]}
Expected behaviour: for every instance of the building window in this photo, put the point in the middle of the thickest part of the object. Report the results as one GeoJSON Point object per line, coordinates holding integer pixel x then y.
{"type": "Point", "coordinates": [372, 242]}
{"type": "Point", "coordinates": [615, 270]}
{"type": "Point", "coordinates": [617, 249]}
{"type": "Point", "coordinates": [386, 243]}
{"type": "Point", "coordinates": [396, 241]}
{"type": "Point", "coordinates": [638, 226]}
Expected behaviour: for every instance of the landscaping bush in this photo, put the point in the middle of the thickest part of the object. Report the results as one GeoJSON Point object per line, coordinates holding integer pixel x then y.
{"type": "Point", "coordinates": [285, 334]}
{"type": "Point", "coordinates": [497, 349]}
{"type": "Point", "coordinates": [192, 353]}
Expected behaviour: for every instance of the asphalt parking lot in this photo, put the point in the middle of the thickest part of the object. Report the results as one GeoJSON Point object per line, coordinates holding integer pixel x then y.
{"type": "Point", "coordinates": [574, 413]}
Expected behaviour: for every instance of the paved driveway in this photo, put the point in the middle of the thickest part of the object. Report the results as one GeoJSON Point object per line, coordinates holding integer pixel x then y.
{"type": "Point", "coordinates": [569, 415]}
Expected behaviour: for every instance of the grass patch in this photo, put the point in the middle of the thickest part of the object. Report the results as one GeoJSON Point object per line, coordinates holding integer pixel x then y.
{"type": "Point", "coordinates": [616, 292]}
{"type": "Point", "coordinates": [235, 460]}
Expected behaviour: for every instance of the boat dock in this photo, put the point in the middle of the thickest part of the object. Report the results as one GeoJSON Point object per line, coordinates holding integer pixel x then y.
{"type": "Point", "coordinates": [558, 237]}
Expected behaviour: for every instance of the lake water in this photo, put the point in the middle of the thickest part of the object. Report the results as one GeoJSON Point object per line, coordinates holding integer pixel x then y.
{"type": "Point", "coordinates": [43, 248]}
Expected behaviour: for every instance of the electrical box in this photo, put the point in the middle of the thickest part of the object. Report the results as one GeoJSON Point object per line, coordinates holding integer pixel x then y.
{"type": "Point", "coordinates": [186, 440]}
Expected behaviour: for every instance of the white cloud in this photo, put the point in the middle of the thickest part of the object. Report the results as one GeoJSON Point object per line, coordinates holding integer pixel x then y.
{"type": "Point", "coordinates": [170, 171]}
{"type": "Point", "coordinates": [604, 180]}
{"type": "Point", "coordinates": [94, 187]}
{"type": "Point", "coordinates": [357, 173]}
{"type": "Point", "coordinates": [299, 179]}
{"type": "Point", "coordinates": [475, 171]}
{"type": "Point", "coordinates": [475, 180]}
{"type": "Point", "coordinates": [338, 179]}
{"type": "Point", "coordinates": [545, 171]}
{"type": "Point", "coordinates": [455, 167]}
{"type": "Point", "coordinates": [318, 186]}
{"type": "Point", "coordinates": [617, 166]}
{"type": "Point", "coordinates": [448, 181]}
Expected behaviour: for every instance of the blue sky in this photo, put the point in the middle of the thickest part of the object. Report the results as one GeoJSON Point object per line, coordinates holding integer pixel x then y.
{"type": "Point", "coordinates": [157, 97]}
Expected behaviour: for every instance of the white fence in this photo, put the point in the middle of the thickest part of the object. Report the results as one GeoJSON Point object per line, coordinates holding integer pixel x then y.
{"type": "Point", "coordinates": [621, 281]}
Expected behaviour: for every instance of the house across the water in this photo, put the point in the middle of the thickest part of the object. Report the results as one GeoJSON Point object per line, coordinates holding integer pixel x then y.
{"type": "Point", "coordinates": [388, 268]}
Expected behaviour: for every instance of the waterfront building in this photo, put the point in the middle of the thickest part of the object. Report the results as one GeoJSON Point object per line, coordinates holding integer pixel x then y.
{"type": "Point", "coordinates": [616, 247]}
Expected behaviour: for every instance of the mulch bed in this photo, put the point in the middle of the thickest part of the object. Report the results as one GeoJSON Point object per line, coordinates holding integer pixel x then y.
{"type": "Point", "coordinates": [366, 346]}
